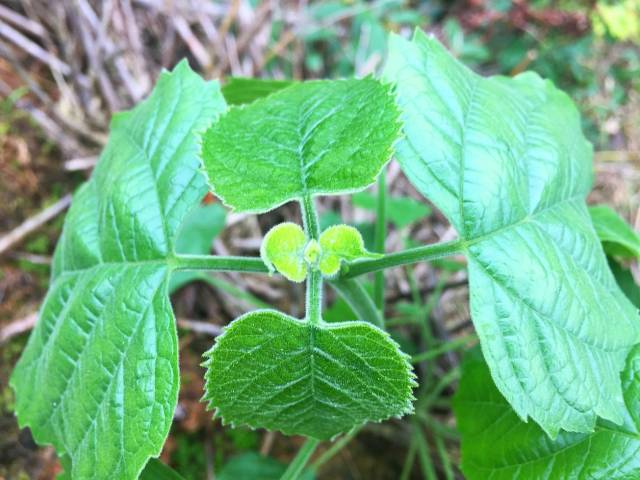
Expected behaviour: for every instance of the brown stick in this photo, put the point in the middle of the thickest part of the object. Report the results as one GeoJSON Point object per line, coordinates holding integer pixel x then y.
{"type": "Point", "coordinates": [17, 327]}
{"type": "Point", "coordinates": [22, 22]}
{"type": "Point", "coordinates": [33, 49]}
{"type": "Point", "coordinates": [33, 223]}
{"type": "Point", "coordinates": [200, 327]}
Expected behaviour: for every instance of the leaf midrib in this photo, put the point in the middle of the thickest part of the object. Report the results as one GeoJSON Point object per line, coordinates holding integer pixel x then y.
{"type": "Point", "coordinates": [530, 218]}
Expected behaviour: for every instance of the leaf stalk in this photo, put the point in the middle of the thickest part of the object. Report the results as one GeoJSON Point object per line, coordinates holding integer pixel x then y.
{"type": "Point", "coordinates": [405, 257]}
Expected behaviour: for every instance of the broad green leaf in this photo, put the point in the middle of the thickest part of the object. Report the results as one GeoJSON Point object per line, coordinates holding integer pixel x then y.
{"type": "Point", "coordinates": [401, 211]}
{"type": "Point", "coordinates": [253, 466]}
{"type": "Point", "coordinates": [341, 242]}
{"type": "Point", "coordinates": [506, 162]}
{"type": "Point", "coordinates": [269, 370]}
{"type": "Point", "coordinates": [99, 376]}
{"type": "Point", "coordinates": [156, 470]}
{"type": "Point", "coordinates": [616, 235]}
{"type": "Point", "coordinates": [282, 249]}
{"type": "Point", "coordinates": [240, 90]}
{"type": "Point", "coordinates": [497, 444]}
{"type": "Point", "coordinates": [315, 138]}
{"type": "Point", "coordinates": [626, 282]}
{"type": "Point", "coordinates": [195, 237]}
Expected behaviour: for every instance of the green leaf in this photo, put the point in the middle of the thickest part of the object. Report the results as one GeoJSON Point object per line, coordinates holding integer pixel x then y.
{"type": "Point", "coordinates": [626, 282]}
{"type": "Point", "coordinates": [239, 90]}
{"type": "Point", "coordinates": [99, 376]}
{"type": "Point", "coordinates": [156, 470]}
{"type": "Point", "coordinates": [341, 242]}
{"type": "Point", "coordinates": [506, 162]}
{"type": "Point", "coordinates": [497, 444]}
{"type": "Point", "coordinates": [616, 235]}
{"type": "Point", "coordinates": [253, 466]}
{"type": "Point", "coordinates": [282, 249]}
{"type": "Point", "coordinates": [314, 138]}
{"type": "Point", "coordinates": [401, 211]}
{"type": "Point", "coordinates": [269, 370]}
{"type": "Point", "coordinates": [195, 237]}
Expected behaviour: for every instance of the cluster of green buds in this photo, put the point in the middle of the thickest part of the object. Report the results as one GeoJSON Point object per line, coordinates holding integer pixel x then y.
{"type": "Point", "coordinates": [287, 250]}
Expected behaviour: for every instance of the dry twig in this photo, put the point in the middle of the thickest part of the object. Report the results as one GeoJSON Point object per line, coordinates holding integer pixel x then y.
{"type": "Point", "coordinates": [33, 223]}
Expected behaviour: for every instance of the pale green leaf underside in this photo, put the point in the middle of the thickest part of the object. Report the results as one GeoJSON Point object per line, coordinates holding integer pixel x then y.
{"type": "Point", "coordinates": [616, 235]}
{"type": "Point", "coordinates": [506, 162]}
{"type": "Point", "coordinates": [99, 376]}
{"type": "Point", "coordinates": [338, 243]}
{"type": "Point", "coordinates": [497, 445]}
{"type": "Point", "coordinates": [269, 370]}
{"type": "Point", "coordinates": [287, 249]}
{"type": "Point", "coordinates": [282, 249]}
{"type": "Point", "coordinates": [312, 138]}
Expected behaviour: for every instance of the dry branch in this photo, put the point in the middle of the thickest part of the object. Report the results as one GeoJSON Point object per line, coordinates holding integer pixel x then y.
{"type": "Point", "coordinates": [33, 223]}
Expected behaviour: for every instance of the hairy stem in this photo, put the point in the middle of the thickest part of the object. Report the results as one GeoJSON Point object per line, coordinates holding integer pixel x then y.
{"type": "Point", "coordinates": [412, 255]}
{"type": "Point", "coordinates": [302, 457]}
{"type": "Point", "coordinates": [350, 270]}
{"type": "Point", "coordinates": [358, 299]}
{"type": "Point", "coordinates": [310, 217]}
{"type": "Point", "coordinates": [381, 233]}
{"type": "Point", "coordinates": [314, 296]}
{"type": "Point", "coordinates": [220, 263]}
{"type": "Point", "coordinates": [313, 305]}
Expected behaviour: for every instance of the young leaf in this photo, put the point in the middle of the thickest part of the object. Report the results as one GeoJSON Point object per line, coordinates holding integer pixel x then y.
{"type": "Point", "coordinates": [341, 242]}
{"type": "Point", "coordinates": [506, 162]}
{"type": "Point", "coordinates": [497, 444]}
{"type": "Point", "coordinates": [312, 138]}
{"type": "Point", "coordinates": [99, 376]}
{"type": "Point", "coordinates": [282, 249]}
{"type": "Point", "coordinates": [616, 235]}
{"type": "Point", "coordinates": [269, 370]}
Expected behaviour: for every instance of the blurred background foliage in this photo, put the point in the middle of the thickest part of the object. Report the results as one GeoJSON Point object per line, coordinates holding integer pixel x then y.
{"type": "Point", "coordinates": [66, 66]}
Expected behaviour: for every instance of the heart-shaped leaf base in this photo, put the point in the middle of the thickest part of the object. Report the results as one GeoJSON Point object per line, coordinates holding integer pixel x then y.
{"type": "Point", "coordinates": [270, 370]}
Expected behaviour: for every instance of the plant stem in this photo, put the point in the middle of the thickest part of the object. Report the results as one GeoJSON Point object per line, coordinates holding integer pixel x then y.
{"type": "Point", "coordinates": [358, 299]}
{"type": "Point", "coordinates": [335, 448]}
{"type": "Point", "coordinates": [380, 234]}
{"type": "Point", "coordinates": [424, 454]}
{"type": "Point", "coordinates": [310, 217]}
{"type": "Point", "coordinates": [412, 255]}
{"type": "Point", "coordinates": [454, 344]}
{"type": "Point", "coordinates": [314, 297]}
{"type": "Point", "coordinates": [220, 264]}
{"type": "Point", "coordinates": [302, 457]}
{"type": "Point", "coordinates": [409, 459]}
{"type": "Point", "coordinates": [351, 270]}
{"type": "Point", "coordinates": [444, 457]}
{"type": "Point", "coordinates": [313, 306]}
{"type": "Point", "coordinates": [450, 377]}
